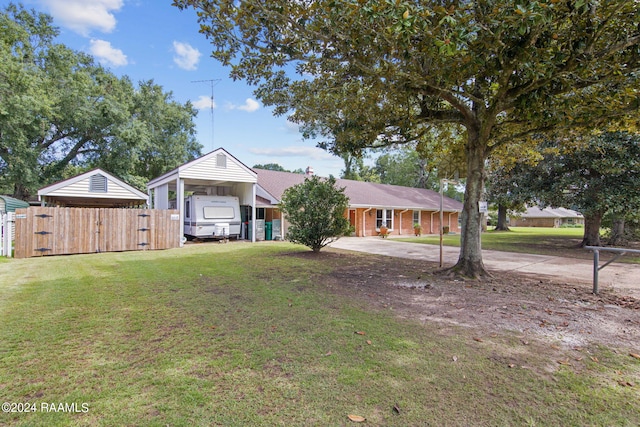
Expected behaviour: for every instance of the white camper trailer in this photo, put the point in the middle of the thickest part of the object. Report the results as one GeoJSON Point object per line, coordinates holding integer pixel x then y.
{"type": "Point", "coordinates": [212, 217]}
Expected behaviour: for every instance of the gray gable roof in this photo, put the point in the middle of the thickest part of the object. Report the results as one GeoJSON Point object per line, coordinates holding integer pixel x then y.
{"type": "Point", "coordinates": [363, 194]}
{"type": "Point", "coordinates": [549, 212]}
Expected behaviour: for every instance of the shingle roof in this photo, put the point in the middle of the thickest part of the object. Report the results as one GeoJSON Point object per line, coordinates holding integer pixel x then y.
{"type": "Point", "coordinates": [538, 212]}
{"type": "Point", "coordinates": [363, 194]}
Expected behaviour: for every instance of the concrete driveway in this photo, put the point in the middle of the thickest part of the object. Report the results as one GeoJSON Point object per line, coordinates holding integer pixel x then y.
{"type": "Point", "coordinates": [624, 278]}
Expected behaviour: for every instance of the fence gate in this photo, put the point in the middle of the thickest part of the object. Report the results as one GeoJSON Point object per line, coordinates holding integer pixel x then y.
{"type": "Point", "coordinates": [60, 231]}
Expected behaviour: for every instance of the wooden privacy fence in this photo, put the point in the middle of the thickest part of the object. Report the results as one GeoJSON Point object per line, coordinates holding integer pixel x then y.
{"type": "Point", "coordinates": [59, 231]}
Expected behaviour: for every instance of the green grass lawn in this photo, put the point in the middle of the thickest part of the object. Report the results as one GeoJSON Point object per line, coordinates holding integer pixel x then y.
{"type": "Point", "coordinates": [252, 335]}
{"type": "Point", "coordinates": [532, 240]}
{"type": "Point", "coordinates": [519, 239]}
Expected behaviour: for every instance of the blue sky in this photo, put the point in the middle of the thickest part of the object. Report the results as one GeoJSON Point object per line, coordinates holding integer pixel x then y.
{"type": "Point", "coordinates": [150, 39]}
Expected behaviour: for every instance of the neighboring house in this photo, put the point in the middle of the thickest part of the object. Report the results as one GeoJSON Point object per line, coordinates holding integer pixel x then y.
{"type": "Point", "coordinates": [93, 189]}
{"type": "Point", "coordinates": [547, 217]}
{"type": "Point", "coordinates": [370, 204]}
{"type": "Point", "coordinates": [9, 204]}
{"type": "Point", "coordinates": [260, 191]}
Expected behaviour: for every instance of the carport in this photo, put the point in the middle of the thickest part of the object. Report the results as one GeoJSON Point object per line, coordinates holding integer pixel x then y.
{"type": "Point", "coordinates": [217, 173]}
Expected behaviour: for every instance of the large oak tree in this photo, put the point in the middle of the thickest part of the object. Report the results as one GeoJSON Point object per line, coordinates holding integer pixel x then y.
{"type": "Point", "coordinates": [364, 73]}
{"type": "Point", "coordinates": [62, 113]}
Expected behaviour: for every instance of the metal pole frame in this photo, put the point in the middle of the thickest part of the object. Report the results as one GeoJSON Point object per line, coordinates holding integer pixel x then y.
{"type": "Point", "coordinates": [442, 181]}
{"type": "Point", "coordinates": [596, 260]}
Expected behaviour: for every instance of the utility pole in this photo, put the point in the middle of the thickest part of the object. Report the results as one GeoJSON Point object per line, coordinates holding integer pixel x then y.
{"type": "Point", "coordinates": [212, 82]}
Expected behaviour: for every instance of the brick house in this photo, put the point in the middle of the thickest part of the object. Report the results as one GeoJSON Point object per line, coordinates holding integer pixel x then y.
{"type": "Point", "coordinates": [370, 204]}
{"type": "Point", "coordinates": [535, 216]}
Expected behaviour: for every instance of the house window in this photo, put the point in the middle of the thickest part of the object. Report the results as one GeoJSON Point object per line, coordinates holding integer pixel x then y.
{"type": "Point", "coordinates": [416, 217]}
{"type": "Point", "coordinates": [260, 213]}
{"type": "Point", "coordinates": [98, 184]}
{"type": "Point", "coordinates": [221, 161]}
{"type": "Point", "coordinates": [384, 217]}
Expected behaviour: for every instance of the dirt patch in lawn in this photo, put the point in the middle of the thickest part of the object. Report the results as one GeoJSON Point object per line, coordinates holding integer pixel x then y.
{"type": "Point", "coordinates": [563, 314]}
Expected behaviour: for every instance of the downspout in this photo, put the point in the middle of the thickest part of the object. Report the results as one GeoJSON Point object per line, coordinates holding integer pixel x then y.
{"type": "Point", "coordinates": [400, 231]}
{"type": "Point", "coordinates": [364, 222]}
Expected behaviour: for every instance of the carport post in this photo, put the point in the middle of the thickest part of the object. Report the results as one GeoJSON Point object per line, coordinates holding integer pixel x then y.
{"type": "Point", "coordinates": [596, 269]}
{"type": "Point", "coordinates": [180, 206]}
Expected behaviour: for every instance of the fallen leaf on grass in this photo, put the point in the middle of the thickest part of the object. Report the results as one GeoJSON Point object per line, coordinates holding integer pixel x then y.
{"type": "Point", "coordinates": [328, 353]}
{"type": "Point", "coordinates": [455, 358]}
{"type": "Point", "coordinates": [360, 332]}
{"type": "Point", "coordinates": [625, 383]}
{"type": "Point", "coordinates": [637, 356]}
{"type": "Point", "coordinates": [369, 342]}
{"type": "Point", "coordinates": [356, 418]}
{"type": "Point", "coordinates": [564, 362]}
{"type": "Point", "coordinates": [595, 359]}
{"type": "Point", "coordinates": [396, 408]}
{"type": "Point", "coordinates": [478, 339]}
{"type": "Point", "coordinates": [511, 365]}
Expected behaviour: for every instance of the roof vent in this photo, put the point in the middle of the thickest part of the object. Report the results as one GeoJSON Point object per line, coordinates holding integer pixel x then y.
{"type": "Point", "coordinates": [98, 183]}
{"type": "Point", "coordinates": [309, 171]}
{"type": "Point", "coordinates": [221, 161]}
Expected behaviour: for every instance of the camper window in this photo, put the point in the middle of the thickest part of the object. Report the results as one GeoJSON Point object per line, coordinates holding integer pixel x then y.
{"type": "Point", "coordinates": [215, 212]}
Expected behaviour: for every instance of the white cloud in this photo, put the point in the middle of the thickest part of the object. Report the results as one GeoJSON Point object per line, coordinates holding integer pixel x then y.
{"type": "Point", "coordinates": [83, 16]}
{"type": "Point", "coordinates": [186, 56]}
{"type": "Point", "coordinates": [250, 105]}
{"type": "Point", "coordinates": [314, 153]}
{"type": "Point", "coordinates": [203, 103]}
{"type": "Point", "coordinates": [107, 54]}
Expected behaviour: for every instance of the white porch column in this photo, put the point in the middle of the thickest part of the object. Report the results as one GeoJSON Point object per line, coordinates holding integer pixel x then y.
{"type": "Point", "coordinates": [253, 212]}
{"type": "Point", "coordinates": [180, 206]}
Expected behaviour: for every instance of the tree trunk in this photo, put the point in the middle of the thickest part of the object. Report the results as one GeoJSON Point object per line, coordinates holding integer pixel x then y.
{"type": "Point", "coordinates": [617, 232]}
{"type": "Point", "coordinates": [591, 230]}
{"type": "Point", "coordinates": [502, 218]}
{"type": "Point", "coordinates": [470, 260]}
{"type": "Point", "coordinates": [20, 192]}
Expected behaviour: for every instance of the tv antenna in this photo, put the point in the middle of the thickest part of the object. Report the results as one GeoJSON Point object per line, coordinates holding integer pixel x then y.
{"type": "Point", "coordinates": [212, 82]}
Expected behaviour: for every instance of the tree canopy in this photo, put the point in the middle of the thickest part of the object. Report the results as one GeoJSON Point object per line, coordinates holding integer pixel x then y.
{"type": "Point", "coordinates": [60, 112]}
{"type": "Point", "coordinates": [596, 175]}
{"type": "Point", "coordinates": [364, 73]}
